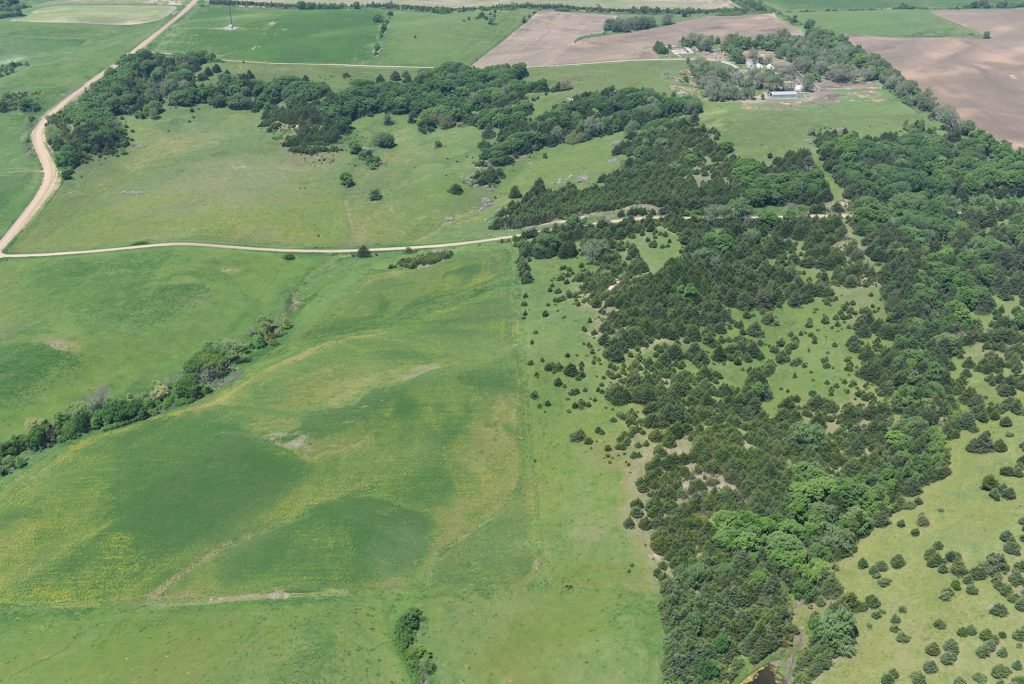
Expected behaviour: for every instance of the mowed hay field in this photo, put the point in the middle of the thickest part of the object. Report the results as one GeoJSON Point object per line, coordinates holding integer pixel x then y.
{"type": "Point", "coordinates": [216, 176]}
{"type": "Point", "coordinates": [759, 127]}
{"type": "Point", "coordinates": [965, 519]}
{"type": "Point", "coordinates": [61, 57]}
{"type": "Point", "coordinates": [121, 321]}
{"type": "Point", "coordinates": [384, 456]}
{"type": "Point", "coordinates": [340, 36]}
{"type": "Point", "coordinates": [902, 23]}
{"type": "Point", "coordinates": [550, 38]}
{"type": "Point", "coordinates": [978, 77]}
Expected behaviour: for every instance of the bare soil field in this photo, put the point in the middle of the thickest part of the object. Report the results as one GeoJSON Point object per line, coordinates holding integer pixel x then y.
{"type": "Point", "coordinates": [550, 38]}
{"type": "Point", "coordinates": [983, 79]}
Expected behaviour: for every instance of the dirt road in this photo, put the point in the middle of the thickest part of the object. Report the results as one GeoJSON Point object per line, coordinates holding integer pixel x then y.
{"type": "Point", "coordinates": [51, 177]}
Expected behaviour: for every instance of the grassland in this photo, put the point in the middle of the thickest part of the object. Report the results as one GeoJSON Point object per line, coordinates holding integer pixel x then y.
{"type": "Point", "coordinates": [810, 5]}
{"type": "Point", "coordinates": [66, 330]}
{"type": "Point", "coordinates": [965, 519]}
{"type": "Point", "coordinates": [61, 57]}
{"type": "Point", "coordinates": [215, 176]}
{"type": "Point", "coordinates": [384, 456]}
{"type": "Point", "coordinates": [339, 36]}
{"type": "Point", "coordinates": [759, 127]}
{"type": "Point", "coordinates": [77, 13]}
{"type": "Point", "coordinates": [896, 23]}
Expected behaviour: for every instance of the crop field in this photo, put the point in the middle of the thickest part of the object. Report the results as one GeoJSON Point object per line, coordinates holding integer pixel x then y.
{"type": "Point", "coordinates": [899, 23]}
{"type": "Point", "coordinates": [215, 176]}
{"type": "Point", "coordinates": [759, 127]}
{"type": "Point", "coordinates": [79, 13]}
{"type": "Point", "coordinates": [384, 456]}
{"type": "Point", "coordinates": [551, 38]}
{"type": "Point", "coordinates": [340, 36]}
{"type": "Point", "coordinates": [134, 325]}
{"type": "Point", "coordinates": [977, 77]}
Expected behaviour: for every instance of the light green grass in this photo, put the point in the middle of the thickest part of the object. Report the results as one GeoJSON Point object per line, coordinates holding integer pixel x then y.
{"type": "Point", "coordinates": [661, 75]}
{"type": "Point", "coordinates": [896, 23]}
{"type": "Point", "coordinates": [759, 127]}
{"type": "Point", "coordinates": [965, 519]}
{"type": "Point", "coordinates": [383, 457]}
{"type": "Point", "coordinates": [61, 57]}
{"type": "Point", "coordinates": [97, 14]}
{"type": "Point", "coordinates": [70, 325]}
{"type": "Point", "coordinates": [216, 176]}
{"type": "Point", "coordinates": [791, 5]}
{"type": "Point", "coordinates": [339, 36]}
{"type": "Point", "coordinates": [665, 246]}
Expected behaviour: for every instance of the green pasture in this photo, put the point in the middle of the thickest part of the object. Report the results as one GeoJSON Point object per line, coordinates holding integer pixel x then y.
{"type": "Point", "coordinates": [964, 519]}
{"type": "Point", "coordinates": [77, 13]}
{"type": "Point", "coordinates": [660, 75]}
{"type": "Point", "coordinates": [385, 455]}
{"type": "Point", "coordinates": [759, 127]}
{"type": "Point", "coordinates": [839, 5]}
{"type": "Point", "coordinates": [339, 36]}
{"type": "Point", "coordinates": [73, 324]}
{"type": "Point", "coordinates": [216, 176]}
{"type": "Point", "coordinates": [896, 23]}
{"type": "Point", "coordinates": [61, 57]}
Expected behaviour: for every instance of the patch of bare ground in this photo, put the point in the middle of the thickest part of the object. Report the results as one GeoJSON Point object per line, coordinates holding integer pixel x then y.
{"type": "Point", "coordinates": [63, 345]}
{"type": "Point", "coordinates": [983, 79]}
{"type": "Point", "coordinates": [549, 38]}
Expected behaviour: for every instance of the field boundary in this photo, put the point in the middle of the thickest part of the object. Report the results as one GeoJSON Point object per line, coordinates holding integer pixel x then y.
{"type": "Point", "coordinates": [51, 178]}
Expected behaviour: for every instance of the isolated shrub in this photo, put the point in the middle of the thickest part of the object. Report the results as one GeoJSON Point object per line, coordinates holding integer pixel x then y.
{"type": "Point", "coordinates": [384, 140]}
{"type": "Point", "coordinates": [346, 180]}
{"type": "Point", "coordinates": [455, 189]}
{"type": "Point", "coordinates": [999, 610]}
{"type": "Point", "coordinates": [932, 649]}
{"type": "Point", "coordinates": [375, 195]}
{"type": "Point", "coordinates": [898, 561]}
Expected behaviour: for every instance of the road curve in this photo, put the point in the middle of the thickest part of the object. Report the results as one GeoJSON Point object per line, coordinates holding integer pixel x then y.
{"type": "Point", "coordinates": [250, 248]}
{"type": "Point", "coordinates": [51, 177]}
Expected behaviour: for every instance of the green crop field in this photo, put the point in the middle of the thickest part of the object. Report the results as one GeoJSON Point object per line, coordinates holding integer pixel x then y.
{"type": "Point", "coordinates": [77, 13]}
{"type": "Point", "coordinates": [340, 36]}
{"type": "Point", "coordinates": [216, 176]}
{"type": "Point", "coordinates": [760, 127]}
{"type": "Point", "coordinates": [384, 456]}
{"type": "Point", "coordinates": [896, 23]}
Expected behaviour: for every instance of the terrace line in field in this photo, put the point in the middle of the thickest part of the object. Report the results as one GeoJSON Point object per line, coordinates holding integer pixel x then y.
{"type": "Point", "coordinates": [978, 77]}
{"type": "Point", "coordinates": [550, 38]}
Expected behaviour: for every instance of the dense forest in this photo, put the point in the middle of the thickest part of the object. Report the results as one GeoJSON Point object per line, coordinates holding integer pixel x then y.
{"type": "Point", "coordinates": [773, 491]}
{"type": "Point", "coordinates": [12, 8]}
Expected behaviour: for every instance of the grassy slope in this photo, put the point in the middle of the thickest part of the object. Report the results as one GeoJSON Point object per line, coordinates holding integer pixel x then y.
{"type": "Point", "coordinates": [218, 177]}
{"type": "Point", "coordinates": [339, 36]}
{"type": "Point", "coordinates": [758, 127]}
{"type": "Point", "coordinates": [965, 519]}
{"type": "Point", "coordinates": [909, 23]}
{"type": "Point", "coordinates": [61, 57]}
{"type": "Point", "coordinates": [791, 5]}
{"type": "Point", "coordinates": [66, 330]}
{"type": "Point", "coordinates": [419, 477]}
{"type": "Point", "coordinates": [96, 14]}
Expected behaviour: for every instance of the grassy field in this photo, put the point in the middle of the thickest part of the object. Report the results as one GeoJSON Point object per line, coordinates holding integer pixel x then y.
{"type": "Point", "coordinates": [810, 5]}
{"type": "Point", "coordinates": [66, 329]}
{"type": "Point", "coordinates": [758, 127]}
{"type": "Point", "coordinates": [897, 23]}
{"type": "Point", "coordinates": [339, 36]}
{"type": "Point", "coordinates": [77, 13]}
{"type": "Point", "coordinates": [384, 456]}
{"type": "Point", "coordinates": [61, 57]}
{"type": "Point", "coordinates": [965, 519]}
{"type": "Point", "coordinates": [216, 176]}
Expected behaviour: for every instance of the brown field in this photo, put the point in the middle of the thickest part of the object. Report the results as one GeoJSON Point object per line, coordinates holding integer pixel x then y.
{"type": "Point", "coordinates": [983, 79]}
{"type": "Point", "coordinates": [549, 38]}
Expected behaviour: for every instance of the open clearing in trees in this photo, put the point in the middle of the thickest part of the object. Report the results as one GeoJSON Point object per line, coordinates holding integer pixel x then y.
{"type": "Point", "coordinates": [983, 79]}
{"type": "Point", "coordinates": [550, 38]}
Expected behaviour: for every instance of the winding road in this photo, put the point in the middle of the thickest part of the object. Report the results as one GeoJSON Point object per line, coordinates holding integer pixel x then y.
{"type": "Point", "coordinates": [51, 182]}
